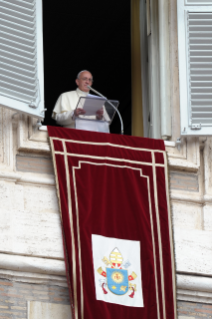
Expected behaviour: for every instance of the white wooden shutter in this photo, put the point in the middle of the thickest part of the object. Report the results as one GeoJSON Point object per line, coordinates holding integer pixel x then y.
{"type": "Point", "coordinates": [21, 56]}
{"type": "Point", "coordinates": [195, 66]}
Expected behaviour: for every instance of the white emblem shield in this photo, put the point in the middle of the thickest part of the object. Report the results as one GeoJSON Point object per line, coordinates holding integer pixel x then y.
{"type": "Point", "coordinates": [117, 270]}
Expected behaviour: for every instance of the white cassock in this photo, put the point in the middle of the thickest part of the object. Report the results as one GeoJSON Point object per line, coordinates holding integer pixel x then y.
{"type": "Point", "coordinates": [63, 111]}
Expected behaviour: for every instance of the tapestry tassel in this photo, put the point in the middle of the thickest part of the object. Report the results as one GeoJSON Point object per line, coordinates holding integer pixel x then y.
{"type": "Point", "coordinates": [132, 294]}
{"type": "Point", "coordinates": [104, 290]}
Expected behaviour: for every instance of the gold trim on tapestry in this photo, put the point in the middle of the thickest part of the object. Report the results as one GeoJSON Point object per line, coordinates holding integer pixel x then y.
{"type": "Point", "coordinates": [170, 235]}
{"type": "Point", "coordinates": [153, 244]}
{"type": "Point", "coordinates": [60, 209]}
{"type": "Point", "coordinates": [159, 235]}
{"type": "Point", "coordinates": [111, 159]}
{"type": "Point", "coordinates": [108, 144]}
{"type": "Point", "coordinates": [72, 231]}
{"type": "Point", "coordinates": [79, 242]}
{"type": "Point", "coordinates": [150, 211]}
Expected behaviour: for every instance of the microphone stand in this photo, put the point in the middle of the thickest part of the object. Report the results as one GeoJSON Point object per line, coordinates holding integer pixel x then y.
{"type": "Point", "coordinates": [122, 124]}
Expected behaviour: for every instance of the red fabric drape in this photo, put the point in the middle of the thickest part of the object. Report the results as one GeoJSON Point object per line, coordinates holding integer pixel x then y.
{"type": "Point", "coordinates": [116, 187]}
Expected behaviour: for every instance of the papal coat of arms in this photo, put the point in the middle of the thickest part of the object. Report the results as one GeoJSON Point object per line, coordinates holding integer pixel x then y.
{"type": "Point", "coordinates": [117, 279]}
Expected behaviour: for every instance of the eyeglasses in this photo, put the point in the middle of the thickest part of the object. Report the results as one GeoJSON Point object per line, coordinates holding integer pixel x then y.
{"type": "Point", "coordinates": [87, 79]}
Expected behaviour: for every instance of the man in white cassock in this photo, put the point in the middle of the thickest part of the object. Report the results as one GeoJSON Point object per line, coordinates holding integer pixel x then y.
{"type": "Point", "coordinates": [65, 108]}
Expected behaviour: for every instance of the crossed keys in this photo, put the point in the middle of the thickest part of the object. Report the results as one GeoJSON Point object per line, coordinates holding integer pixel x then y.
{"type": "Point", "coordinates": [123, 288]}
{"type": "Point", "coordinates": [107, 261]}
{"type": "Point", "coordinates": [131, 286]}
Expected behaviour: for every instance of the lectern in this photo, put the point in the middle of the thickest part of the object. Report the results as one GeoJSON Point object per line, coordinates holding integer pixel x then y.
{"type": "Point", "coordinates": [90, 121]}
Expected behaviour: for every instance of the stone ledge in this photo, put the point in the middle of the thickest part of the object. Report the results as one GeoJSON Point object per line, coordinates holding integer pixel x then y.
{"type": "Point", "coordinates": [34, 278]}
{"type": "Point", "coordinates": [188, 197]}
{"type": "Point", "coordinates": [48, 271]}
{"type": "Point", "coordinates": [182, 165]}
{"type": "Point", "coordinates": [28, 178]}
{"type": "Point", "coordinates": [32, 264]}
{"type": "Point", "coordinates": [194, 288]}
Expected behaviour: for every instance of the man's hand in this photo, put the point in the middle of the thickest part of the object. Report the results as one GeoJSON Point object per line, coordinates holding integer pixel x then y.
{"type": "Point", "coordinates": [99, 114]}
{"type": "Point", "coordinates": [79, 111]}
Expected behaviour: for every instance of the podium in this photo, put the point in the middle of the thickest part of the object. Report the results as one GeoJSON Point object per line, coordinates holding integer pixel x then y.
{"type": "Point", "coordinates": [90, 121]}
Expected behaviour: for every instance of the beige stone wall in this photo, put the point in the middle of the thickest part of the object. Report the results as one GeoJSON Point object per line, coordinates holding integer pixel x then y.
{"type": "Point", "coordinates": [191, 201]}
{"type": "Point", "coordinates": [31, 240]}
{"type": "Point", "coordinates": [37, 310]}
{"type": "Point", "coordinates": [30, 224]}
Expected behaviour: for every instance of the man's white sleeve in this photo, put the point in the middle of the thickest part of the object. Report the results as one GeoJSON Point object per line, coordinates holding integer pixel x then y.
{"type": "Point", "coordinates": [65, 118]}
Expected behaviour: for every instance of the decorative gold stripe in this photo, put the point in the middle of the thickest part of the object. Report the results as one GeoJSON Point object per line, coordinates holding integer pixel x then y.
{"type": "Point", "coordinates": [79, 243]}
{"type": "Point", "coordinates": [58, 195]}
{"type": "Point", "coordinates": [150, 211]}
{"type": "Point", "coordinates": [56, 175]}
{"type": "Point", "coordinates": [110, 158]}
{"type": "Point", "coordinates": [154, 253]}
{"type": "Point", "coordinates": [170, 237]}
{"type": "Point", "coordinates": [72, 233]}
{"type": "Point", "coordinates": [159, 236]}
{"type": "Point", "coordinates": [107, 144]}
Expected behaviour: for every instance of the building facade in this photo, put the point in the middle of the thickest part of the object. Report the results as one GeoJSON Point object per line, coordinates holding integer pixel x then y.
{"type": "Point", "coordinates": [32, 270]}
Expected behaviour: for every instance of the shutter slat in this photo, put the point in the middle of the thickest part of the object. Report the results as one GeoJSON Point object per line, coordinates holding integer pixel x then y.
{"type": "Point", "coordinates": [18, 45]}
{"type": "Point", "coordinates": [201, 91]}
{"type": "Point", "coordinates": [197, 2]}
{"type": "Point", "coordinates": [12, 85]}
{"type": "Point", "coordinates": [17, 33]}
{"type": "Point", "coordinates": [18, 76]}
{"type": "Point", "coordinates": [17, 51]}
{"type": "Point", "coordinates": [202, 96]}
{"type": "Point", "coordinates": [20, 17]}
{"type": "Point", "coordinates": [19, 96]}
{"type": "Point", "coordinates": [198, 83]}
{"type": "Point", "coordinates": [28, 1]}
{"type": "Point", "coordinates": [18, 55]}
{"type": "Point", "coordinates": [17, 39]}
{"type": "Point", "coordinates": [201, 99]}
{"type": "Point", "coordinates": [21, 3]}
{"type": "Point", "coordinates": [198, 114]}
{"type": "Point", "coordinates": [202, 121]}
{"type": "Point", "coordinates": [201, 102]}
{"type": "Point", "coordinates": [204, 109]}
{"type": "Point", "coordinates": [16, 7]}
{"type": "Point", "coordinates": [18, 64]}
{"type": "Point", "coordinates": [17, 26]}
{"type": "Point", "coordinates": [201, 15]}
{"type": "Point", "coordinates": [18, 70]}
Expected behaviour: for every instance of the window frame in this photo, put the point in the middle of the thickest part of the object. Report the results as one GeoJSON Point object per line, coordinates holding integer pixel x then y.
{"type": "Point", "coordinates": [183, 10]}
{"type": "Point", "coordinates": [23, 107]}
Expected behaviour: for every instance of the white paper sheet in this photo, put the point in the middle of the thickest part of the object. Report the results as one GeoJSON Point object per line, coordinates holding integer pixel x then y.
{"type": "Point", "coordinates": [91, 105]}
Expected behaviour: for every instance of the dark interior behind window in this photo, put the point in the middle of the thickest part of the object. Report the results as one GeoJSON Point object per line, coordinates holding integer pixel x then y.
{"type": "Point", "coordinates": [92, 35]}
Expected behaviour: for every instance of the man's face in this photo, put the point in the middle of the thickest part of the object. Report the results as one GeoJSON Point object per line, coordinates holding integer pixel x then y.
{"type": "Point", "coordinates": [84, 80]}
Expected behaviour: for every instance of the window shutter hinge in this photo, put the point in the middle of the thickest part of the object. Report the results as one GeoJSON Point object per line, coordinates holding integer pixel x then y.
{"type": "Point", "coordinates": [34, 104]}
{"type": "Point", "coordinates": [196, 126]}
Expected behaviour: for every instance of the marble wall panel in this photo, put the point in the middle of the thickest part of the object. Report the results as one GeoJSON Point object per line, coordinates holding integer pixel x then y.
{"type": "Point", "coordinates": [187, 215]}
{"type": "Point", "coordinates": [29, 221]}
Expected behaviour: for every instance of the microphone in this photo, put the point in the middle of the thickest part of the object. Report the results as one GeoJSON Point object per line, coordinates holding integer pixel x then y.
{"type": "Point", "coordinates": [98, 93]}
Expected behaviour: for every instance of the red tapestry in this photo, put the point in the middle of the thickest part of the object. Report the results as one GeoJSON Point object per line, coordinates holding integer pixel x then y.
{"type": "Point", "coordinates": [114, 202]}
